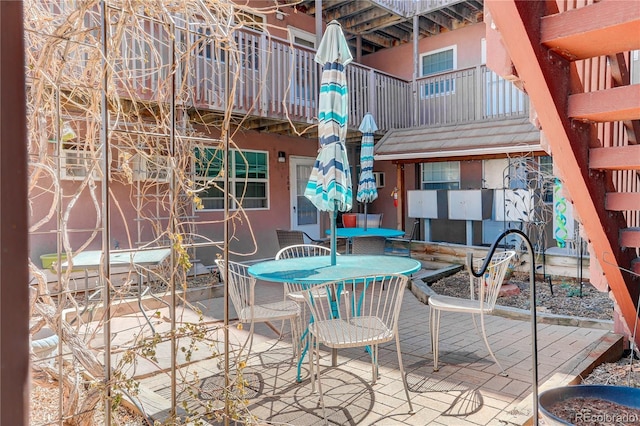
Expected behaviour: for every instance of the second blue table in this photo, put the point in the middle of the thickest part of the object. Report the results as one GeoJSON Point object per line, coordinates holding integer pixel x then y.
{"type": "Point", "coordinates": [361, 232]}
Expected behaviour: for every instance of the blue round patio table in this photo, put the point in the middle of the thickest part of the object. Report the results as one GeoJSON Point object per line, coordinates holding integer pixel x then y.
{"type": "Point", "coordinates": [369, 232]}
{"type": "Point", "coordinates": [318, 269]}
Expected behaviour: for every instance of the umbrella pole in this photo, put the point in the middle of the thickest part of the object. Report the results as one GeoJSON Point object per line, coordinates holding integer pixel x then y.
{"type": "Point", "coordinates": [365, 216]}
{"type": "Point", "coordinates": [334, 248]}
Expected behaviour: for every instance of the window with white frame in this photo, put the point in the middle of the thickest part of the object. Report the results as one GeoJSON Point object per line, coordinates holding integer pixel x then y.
{"type": "Point", "coordinates": [302, 88]}
{"type": "Point", "coordinates": [441, 175]}
{"type": "Point", "coordinates": [437, 62]}
{"type": "Point", "coordinates": [248, 178]}
{"type": "Point", "coordinates": [301, 37]}
{"type": "Point", "coordinates": [77, 163]}
{"type": "Point", "coordinates": [255, 21]}
{"type": "Point", "coordinates": [546, 173]}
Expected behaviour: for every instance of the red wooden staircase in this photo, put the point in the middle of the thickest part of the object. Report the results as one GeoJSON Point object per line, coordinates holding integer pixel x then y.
{"type": "Point", "coordinates": [573, 59]}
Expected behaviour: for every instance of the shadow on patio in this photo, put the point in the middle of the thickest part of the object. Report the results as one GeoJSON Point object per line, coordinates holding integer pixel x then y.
{"type": "Point", "coordinates": [467, 390]}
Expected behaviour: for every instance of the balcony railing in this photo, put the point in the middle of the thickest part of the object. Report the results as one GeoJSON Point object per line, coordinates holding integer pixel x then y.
{"type": "Point", "coordinates": [468, 94]}
{"type": "Point", "coordinates": [279, 81]}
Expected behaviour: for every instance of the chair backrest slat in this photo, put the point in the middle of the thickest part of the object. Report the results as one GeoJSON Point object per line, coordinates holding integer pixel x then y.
{"type": "Point", "coordinates": [371, 307]}
{"type": "Point", "coordinates": [241, 286]}
{"type": "Point", "coordinates": [487, 287]}
{"type": "Point", "coordinates": [302, 250]}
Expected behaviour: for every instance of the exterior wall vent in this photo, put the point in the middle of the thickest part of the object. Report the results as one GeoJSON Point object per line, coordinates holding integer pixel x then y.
{"type": "Point", "coordinates": [379, 177]}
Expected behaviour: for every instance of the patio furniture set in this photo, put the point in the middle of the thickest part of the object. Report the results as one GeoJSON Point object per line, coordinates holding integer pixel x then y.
{"type": "Point", "coordinates": [355, 302]}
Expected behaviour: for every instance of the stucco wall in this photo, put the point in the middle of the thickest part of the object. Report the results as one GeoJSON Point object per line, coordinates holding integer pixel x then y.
{"type": "Point", "coordinates": [399, 60]}
{"type": "Point", "coordinates": [83, 218]}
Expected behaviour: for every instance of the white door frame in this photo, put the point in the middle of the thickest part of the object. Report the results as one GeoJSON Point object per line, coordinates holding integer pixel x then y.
{"type": "Point", "coordinates": [296, 184]}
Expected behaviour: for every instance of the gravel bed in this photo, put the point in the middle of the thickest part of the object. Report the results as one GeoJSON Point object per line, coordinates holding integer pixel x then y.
{"type": "Point", "coordinates": [567, 299]}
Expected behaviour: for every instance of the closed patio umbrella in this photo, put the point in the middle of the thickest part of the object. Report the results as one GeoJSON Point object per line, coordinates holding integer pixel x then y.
{"type": "Point", "coordinates": [329, 186]}
{"type": "Point", "coordinates": [367, 191]}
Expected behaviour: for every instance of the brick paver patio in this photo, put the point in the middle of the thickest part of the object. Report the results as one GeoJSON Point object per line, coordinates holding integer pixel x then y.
{"type": "Point", "coordinates": [467, 390]}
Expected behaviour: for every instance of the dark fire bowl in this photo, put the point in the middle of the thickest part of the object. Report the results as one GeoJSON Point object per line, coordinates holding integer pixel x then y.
{"type": "Point", "coordinates": [622, 395]}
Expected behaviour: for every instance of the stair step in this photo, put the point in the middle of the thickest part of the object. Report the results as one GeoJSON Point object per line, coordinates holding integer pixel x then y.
{"type": "Point", "coordinates": [630, 237]}
{"type": "Point", "coordinates": [615, 104]}
{"type": "Point", "coordinates": [620, 201]}
{"type": "Point", "coordinates": [615, 158]}
{"type": "Point", "coordinates": [599, 29]}
{"type": "Point", "coordinates": [635, 265]}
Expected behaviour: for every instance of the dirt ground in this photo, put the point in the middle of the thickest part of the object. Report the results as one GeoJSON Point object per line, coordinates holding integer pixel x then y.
{"type": "Point", "coordinates": [568, 297]}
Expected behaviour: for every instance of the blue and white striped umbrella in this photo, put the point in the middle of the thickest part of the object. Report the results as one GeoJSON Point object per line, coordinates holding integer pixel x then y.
{"type": "Point", "coordinates": [329, 186]}
{"type": "Point", "coordinates": [367, 191]}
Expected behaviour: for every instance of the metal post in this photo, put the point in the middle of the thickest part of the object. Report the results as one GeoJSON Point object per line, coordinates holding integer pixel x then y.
{"type": "Point", "coordinates": [225, 130]}
{"type": "Point", "coordinates": [416, 68]}
{"type": "Point", "coordinates": [106, 226]}
{"type": "Point", "coordinates": [532, 302]}
{"type": "Point", "coordinates": [172, 224]}
{"type": "Point", "coordinates": [318, 22]}
{"type": "Point", "coordinates": [334, 248]}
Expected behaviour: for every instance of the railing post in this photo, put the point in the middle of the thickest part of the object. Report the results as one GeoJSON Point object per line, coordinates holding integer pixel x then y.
{"type": "Point", "coordinates": [373, 106]}
{"type": "Point", "coordinates": [480, 82]}
{"type": "Point", "coordinates": [416, 70]}
{"type": "Point", "coordinates": [264, 73]}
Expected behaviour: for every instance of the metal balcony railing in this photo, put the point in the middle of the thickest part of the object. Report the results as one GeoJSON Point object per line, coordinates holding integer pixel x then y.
{"type": "Point", "coordinates": [277, 80]}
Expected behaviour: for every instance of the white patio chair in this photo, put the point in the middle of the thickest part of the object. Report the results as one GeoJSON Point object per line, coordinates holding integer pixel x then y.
{"type": "Point", "coordinates": [367, 317]}
{"type": "Point", "coordinates": [293, 290]}
{"type": "Point", "coordinates": [484, 292]}
{"type": "Point", "coordinates": [242, 293]}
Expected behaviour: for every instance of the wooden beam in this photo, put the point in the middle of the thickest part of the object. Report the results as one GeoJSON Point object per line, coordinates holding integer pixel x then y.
{"type": "Point", "coordinates": [548, 80]}
{"type": "Point", "coordinates": [465, 13]}
{"type": "Point", "coordinates": [14, 276]}
{"type": "Point", "coordinates": [364, 27]}
{"type": "Point", "coordinates": [345, 9]}
{"type": "Point", "coordinates": [433, 6]}
{"type": "Point", "coordinates": [440, 20]}
{"type": "Point", "coordinates": [396, 33]}
{"type": "Point", "coordinates": [615, 158]}
{"type": "Point", "coordinates": [615, 104]}
{"type": "Point", "coordinates": [361, 17]}
{"type": "Point", "coordinates": [378, 40]}
{"type": "Point", "coordinates": [451, 13]}
{"type": "Point", "coordinates": [602, 28]}
{"type": "Point", "coordinates": [428, 27]}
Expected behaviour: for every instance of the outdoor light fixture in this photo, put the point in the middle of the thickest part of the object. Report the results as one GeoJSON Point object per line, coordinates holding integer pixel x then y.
{"type": "Point", "coordinates": [282, 157]}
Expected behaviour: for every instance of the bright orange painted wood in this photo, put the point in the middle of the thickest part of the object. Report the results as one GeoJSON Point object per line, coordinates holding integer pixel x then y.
{"type": "Point", "coordinates": [620, 201]}
{"type": "Point", "coordinates": [595, 30]}
{"type": "Point", "coordinates": [615, 158]}
{"type": "Point", "coordinates": [630, 237]}
{"type": "Point", "coordinates": [548, 82]}
{"type": "Point", "coordinates": [616, 104]}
